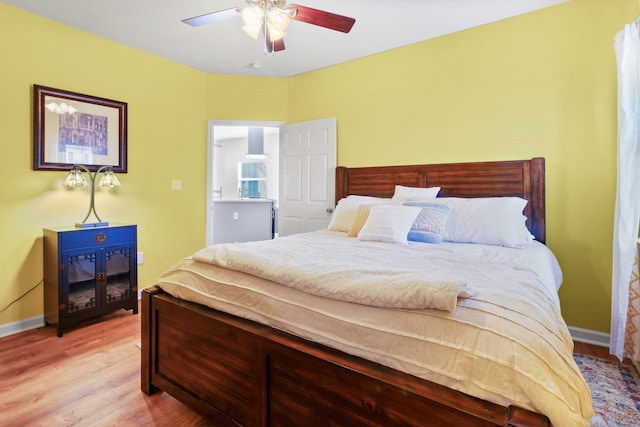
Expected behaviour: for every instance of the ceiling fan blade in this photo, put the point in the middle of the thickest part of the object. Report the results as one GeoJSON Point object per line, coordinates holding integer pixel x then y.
{"type": "Point", "coordinates": [322, 18]}
{"type": "Point", "coordinates": [208, 18]}
{"type": "Point", "coordinates": [273, 45]}
{"type": "Point", "coordinates": [278, 45]}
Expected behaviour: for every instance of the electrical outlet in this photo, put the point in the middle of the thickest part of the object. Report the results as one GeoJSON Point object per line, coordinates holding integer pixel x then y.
{"type": "Point", "coordinates": [176, 184]}
{"type": "Point", "coordinates": [235, 215]}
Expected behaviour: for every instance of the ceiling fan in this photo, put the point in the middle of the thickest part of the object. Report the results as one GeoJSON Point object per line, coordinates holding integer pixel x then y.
{"type": "Point", "coordinates": [271, 18]}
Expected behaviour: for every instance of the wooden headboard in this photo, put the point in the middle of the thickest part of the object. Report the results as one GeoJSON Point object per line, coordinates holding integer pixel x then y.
{"type": "Point", "coordinates": [521, 178]}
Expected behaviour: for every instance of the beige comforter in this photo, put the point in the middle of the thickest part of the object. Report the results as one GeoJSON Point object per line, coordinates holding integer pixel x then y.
{"type": "Point", "coordinates": [507, 343]}
{"type": "Point", "coordinates": [339, 269]}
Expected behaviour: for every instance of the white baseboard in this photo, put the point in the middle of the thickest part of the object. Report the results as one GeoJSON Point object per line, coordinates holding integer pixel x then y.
{"type": "Point", "coordinates": [21, 326]}
{"type": "Point", "coordinates": [578, 334]}
{"type": "Point", "coordinates": [589, 337]}
{"type": "Point", "coordinates": [27, 324]}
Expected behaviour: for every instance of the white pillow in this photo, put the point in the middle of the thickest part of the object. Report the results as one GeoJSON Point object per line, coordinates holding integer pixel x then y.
{"type": "Point", "coordinates": [346, 211]}
{"type": "Point", "coordinates": [414, 193]}
{"type": "Point", "coordinates": [389, 223]}
{"type": "Point", "coordinates": [487, 220]}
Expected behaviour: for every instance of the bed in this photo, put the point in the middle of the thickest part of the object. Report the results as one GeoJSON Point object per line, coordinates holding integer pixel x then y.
{"type": "Point", "coordinates": [263, 355]}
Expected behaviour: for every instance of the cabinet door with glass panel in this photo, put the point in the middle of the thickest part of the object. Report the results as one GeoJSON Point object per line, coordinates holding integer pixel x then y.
{"type": "Point", "coordinates": [97, 278]}
{"type": "Point", "coordinates": [82, 280]}
{"type": "Point", "coordinates": [88, 273]}
{"type": "Point", "coordinates": [118, 284]}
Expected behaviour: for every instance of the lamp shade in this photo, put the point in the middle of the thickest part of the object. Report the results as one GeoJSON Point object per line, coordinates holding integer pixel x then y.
{"type": "Point", "coordinates": [109, 179]}
{"type": "Point", "coordinates": [75, 178]}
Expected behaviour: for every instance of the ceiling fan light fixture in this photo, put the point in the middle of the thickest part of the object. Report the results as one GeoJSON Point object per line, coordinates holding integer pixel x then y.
{"type": "Point", "coordinates": [275, 33]}
{"type": "Point", "coordinates": [253, 16]}
{"type": "Point", "coordinates": [265, 14]}
{"type": "Point", "coordinates": [253, 31]}
{"type": "Point", "coordinates": [270, 18]}
{"type": "Point", "coordinates": [277, 19]}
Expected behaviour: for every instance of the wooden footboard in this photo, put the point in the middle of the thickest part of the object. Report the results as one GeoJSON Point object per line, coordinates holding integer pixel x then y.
{"type": "Point", "coordinates": [238, 372]}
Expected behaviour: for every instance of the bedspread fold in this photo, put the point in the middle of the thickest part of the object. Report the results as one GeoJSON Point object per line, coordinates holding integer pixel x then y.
{"type": "Point", "coordinates": [350, 271]}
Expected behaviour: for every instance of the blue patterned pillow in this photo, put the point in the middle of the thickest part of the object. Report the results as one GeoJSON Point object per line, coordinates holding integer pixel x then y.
{"type": "Point", "coordinates": [430, 223]}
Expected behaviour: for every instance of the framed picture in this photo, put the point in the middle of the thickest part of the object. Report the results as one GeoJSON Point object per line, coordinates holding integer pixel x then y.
{"type": "Point", "coordinates": [70, 128]}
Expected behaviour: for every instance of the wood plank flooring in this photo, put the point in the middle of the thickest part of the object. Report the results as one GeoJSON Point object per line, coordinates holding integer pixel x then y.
{"type": "Point", "coordinates": [597, 351]}
{"type": "Point", "coordinates": [91, 377]}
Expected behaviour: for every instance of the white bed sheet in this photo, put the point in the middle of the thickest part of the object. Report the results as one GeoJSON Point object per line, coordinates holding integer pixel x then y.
{"type": "Point", "coordinates": [507, 344]}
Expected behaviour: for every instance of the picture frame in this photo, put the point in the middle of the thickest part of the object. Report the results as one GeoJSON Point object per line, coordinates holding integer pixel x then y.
{"type": "Point", "coordinates": [70, 128]}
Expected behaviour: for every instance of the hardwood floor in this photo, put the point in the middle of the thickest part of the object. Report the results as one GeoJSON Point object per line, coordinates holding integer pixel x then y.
{"type": "Point", "coordinates": [597, 351]}
{"type": "Point", "coordinates": [91, 377]}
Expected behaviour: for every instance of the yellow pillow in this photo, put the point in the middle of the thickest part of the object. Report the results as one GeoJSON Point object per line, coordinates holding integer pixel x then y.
{"type": "Point", "coordinates": [362, 213]}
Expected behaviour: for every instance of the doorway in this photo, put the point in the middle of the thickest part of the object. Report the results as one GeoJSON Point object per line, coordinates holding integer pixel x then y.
{"type": "Point", "coordinates": [227, 152]}
{"type": "Point", "coordinates": [300, 169]}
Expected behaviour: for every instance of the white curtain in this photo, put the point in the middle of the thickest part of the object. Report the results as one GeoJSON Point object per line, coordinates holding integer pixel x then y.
{"type": "Point", "coordinates": [627, 211]}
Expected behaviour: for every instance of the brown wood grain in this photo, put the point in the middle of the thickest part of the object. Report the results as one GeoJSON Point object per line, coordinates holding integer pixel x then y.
{"type": "Point", "coordinates": [322, 18]}
{"type": "Point", "coordinates": [296, 382]}
{"type": "Point", "coordinates": [519, 178]}
{"type": "Point", "coordinates": [89, 377]}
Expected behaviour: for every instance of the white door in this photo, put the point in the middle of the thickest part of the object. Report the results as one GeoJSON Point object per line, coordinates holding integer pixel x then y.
{"type": "Point", "coordinates": [307, 176]}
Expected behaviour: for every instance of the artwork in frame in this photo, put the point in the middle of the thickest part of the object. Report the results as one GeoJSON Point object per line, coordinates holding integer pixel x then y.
{"type": "Point", "coordinates": [70, 128]}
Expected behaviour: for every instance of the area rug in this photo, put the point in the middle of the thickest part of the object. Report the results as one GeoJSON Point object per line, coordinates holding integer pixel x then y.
{"type": "Point", "coordinates": [615, 388]}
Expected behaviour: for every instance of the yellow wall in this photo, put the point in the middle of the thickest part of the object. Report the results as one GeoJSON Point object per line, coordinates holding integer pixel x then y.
{"type": "Point", "coordinates": [542, 84]}
{"type": "Point", "coordinates": [246, 98]}
{"type": "Point", "coordinates": [168, 104]}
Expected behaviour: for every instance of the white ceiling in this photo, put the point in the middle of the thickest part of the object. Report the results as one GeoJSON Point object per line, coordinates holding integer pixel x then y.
{"type": "Point", "coordinates": [155, 26]}
{"type": "Point", "coordinates": [224, 133]}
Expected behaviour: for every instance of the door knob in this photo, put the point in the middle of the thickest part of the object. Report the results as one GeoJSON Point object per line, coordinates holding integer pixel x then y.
{"type": "Point", "coordinates": [329, 210]}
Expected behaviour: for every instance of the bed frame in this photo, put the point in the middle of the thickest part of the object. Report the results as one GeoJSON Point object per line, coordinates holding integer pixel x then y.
{"type": "Point", "coordinates": [238, 372]}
